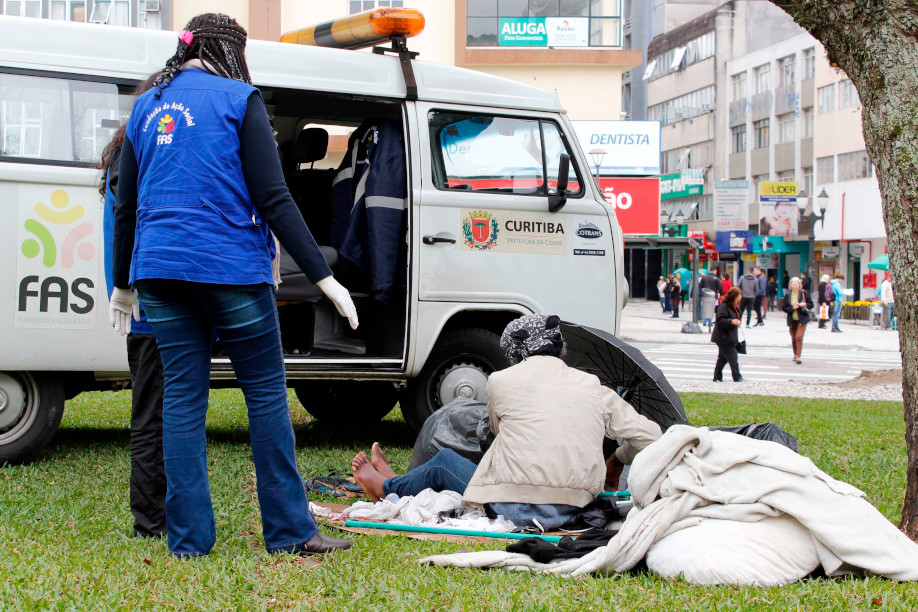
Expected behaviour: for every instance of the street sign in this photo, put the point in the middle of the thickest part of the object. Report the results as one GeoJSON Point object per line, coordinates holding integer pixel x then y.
{"type": "Point", "coordinates": [778, 209]}
{"type": "Point", "coordinates": [731, 205]}
{"type": "Point", "coordinates": [628, 147]}
{"type": "Point", "coordinates": [636, 202]}
{"type": "Point", "coordinates": [682, 184]}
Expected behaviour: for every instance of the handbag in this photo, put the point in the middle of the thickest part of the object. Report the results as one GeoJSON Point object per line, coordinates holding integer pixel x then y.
{"type": "Point", "coordinates": [740, 344]}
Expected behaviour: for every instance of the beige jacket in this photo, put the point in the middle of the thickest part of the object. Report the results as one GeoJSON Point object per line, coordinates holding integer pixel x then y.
{"type": "Point", "coordinates": [550, 420]}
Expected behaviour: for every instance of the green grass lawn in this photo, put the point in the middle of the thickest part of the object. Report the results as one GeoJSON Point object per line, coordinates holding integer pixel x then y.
{"type": "Point", "coordinates": [65, 527]}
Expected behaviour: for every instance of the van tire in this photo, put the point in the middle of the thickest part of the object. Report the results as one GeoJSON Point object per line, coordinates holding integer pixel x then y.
{"type": "Point", "coordinates": [340, 402]}
{"type": "Point", "coordinates": [471, 348]}
{"type": "Point", "coordinates": [38, 402]}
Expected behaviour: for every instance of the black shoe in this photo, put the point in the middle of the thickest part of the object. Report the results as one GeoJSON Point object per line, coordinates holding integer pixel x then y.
{"type": "Point", "coordinates": [798, 361]}
{"type": "Point", "coordinates": [740, 379]}
{"type": "Point", "coordinates": [835, 330]}
{"type": "Point", "coordinates": [321, 544]}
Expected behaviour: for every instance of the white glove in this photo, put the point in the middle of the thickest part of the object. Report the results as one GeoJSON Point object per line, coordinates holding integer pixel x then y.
{"type": "Point", "coordinates": [122, 307]}
{"type": "Point", "coordinates": [339, 296]}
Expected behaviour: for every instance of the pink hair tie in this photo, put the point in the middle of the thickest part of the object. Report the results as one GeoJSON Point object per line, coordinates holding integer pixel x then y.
{"type": "Point", "coordinates": [186, 37]}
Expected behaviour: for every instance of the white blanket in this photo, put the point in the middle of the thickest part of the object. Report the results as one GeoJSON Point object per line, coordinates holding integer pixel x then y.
{"type": "Point", "coordinates": [692, 473]}
{"type": "Point", "coordinates": [424, 509]}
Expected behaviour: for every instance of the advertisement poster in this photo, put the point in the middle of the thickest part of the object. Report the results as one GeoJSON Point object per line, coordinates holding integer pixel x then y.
{"type": "Point", "coordinates": [636, 202]}
{"type": "Point", "coordinates": [505, 231]}
{"type": "Point", "coordinates": [683, 184]}
{"type": "Point", "coordinates": [57, 261]}
{"type": "Point", "coordinates": [777, 209]}
{"type": "Point", "coordinates": [731, 206]}
{"type": "Point", "coordinates": [620, 147]}
{"type": "Point", "coordinates": [734, 242]}
{"type": "Point", "coordinates": [544, 32]}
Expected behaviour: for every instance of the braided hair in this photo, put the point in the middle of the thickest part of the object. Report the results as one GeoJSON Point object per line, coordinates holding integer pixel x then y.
{"type": "Point", "coordinates": [217, 40]}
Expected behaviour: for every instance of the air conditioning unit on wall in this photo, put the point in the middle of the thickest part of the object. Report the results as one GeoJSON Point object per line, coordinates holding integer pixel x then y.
{"type": "Point", "coordinates": [150, 6]}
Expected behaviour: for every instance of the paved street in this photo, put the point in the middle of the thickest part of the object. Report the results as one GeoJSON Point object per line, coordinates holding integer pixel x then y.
{"type": "Point", "coordinates": [832, 366]}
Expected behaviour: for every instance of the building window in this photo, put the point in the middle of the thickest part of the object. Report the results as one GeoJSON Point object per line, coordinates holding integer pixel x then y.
{"type": "Point", "coordinates": [808, 180]}
{"type": "Point", "coordinates": [22, 8]}
{"type": "Point", "coordinates": [786, 67]}
{"type": "Point", "coordinates": [760, 131]}
{"type": "Point", "coordinates": [809, 63]}
{"type": "Point", "coordinates": [825, 170]}
{"type": "Point", "coordinates": [359, 6]}
{"type": "Point", "coordinates": [542, 23]}
{"type": "Point", "coordinates": [808, 123]}
{"type": "Point", "coordinates": [847, 94]}
{"type": "Point", "coordinates": [786, 176]}
{"type": "Point", "coordinates": [694, 51]}
{"type": "Point", "coordinates": [739, 86]}
{"type": "Point", "coordinates": [786, 128]}
{"type": "Point", "coordinates": [738, 137]}
{"type": "Point", "coordinates": [825, 97]}
{"type": "Point", "coordinates": [756, 181]}
{"type": "Point", "coordinates": [854, 166]}
{"type": "Point", "coordinates": [684, 107]}
{"type": "Point", "coordinates": [762, 78]}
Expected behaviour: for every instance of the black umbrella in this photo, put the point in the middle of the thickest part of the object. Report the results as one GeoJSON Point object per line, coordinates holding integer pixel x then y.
{"type": "Point", "coordinates": [623, 368]}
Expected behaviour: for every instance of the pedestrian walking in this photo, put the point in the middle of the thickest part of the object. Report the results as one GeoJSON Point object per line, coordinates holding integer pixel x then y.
{"type": "Point", "coordinates": [661, 290]}
{"type": "Point", "coordinates": [727, 320]}
{"type": "Point", "coordinates": [711, 282]}
{"type": "Point", "coordinates": [771, 294]}
{"type": "Point", "coordinates": [886, 296]}
{"type": "Point", "coordinates": [797, 304]}
{"type": "Point", "coordinates": [759, 296]}
{"type": "Point", "coordinates": [838, 293]}
{"type": "Point", "coordinates": [668, 296]}
{"type": "Point", "coordinates": [725, 285]}
{"type": "Point", "coordinates": [748, 284]}
{"type": "Point", "coordinates": [824, 299]}
{"type": "Point", "coordinates": [676, 295]}
{"type": "Point", "coordinates": [806, 283]}
{"type": "Point", "coordinates": [201, 187]}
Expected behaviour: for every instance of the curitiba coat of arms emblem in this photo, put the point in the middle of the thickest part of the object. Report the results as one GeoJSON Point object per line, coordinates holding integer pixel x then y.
{"type": "Point", "coordinates": [480, 230]}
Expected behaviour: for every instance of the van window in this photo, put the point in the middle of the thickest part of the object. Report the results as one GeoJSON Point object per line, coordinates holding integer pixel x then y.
{"type": "Point", "coordinates": [496, 154]}
{"type": "Point", "coordinates": [57, 120]}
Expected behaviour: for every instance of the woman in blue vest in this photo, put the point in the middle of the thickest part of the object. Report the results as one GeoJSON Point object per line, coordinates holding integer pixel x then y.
{"type": "Point", "coordinates": [201, 183]}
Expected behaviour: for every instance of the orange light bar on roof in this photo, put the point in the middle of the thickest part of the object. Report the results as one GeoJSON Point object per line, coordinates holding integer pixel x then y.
{"type": "Point", "coordinates": [361, 30]}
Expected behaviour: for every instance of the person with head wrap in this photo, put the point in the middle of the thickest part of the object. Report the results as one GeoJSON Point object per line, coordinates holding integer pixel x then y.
{"type": "Point", "coordinates": [549, 421]}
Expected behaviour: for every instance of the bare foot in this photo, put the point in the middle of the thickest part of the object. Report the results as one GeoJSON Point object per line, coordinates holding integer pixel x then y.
{"type": "Point", "coordinates": [367, 477]}
{"type": "Point", "coordinates": [381, 462]}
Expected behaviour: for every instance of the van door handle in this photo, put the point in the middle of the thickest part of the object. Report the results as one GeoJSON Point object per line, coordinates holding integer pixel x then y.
{"type": "Point", "coordinates": [438, 240]}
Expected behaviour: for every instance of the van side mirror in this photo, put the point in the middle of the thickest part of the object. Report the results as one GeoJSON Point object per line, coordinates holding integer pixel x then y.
{"type": "Point", "coordinates": [556, 202]}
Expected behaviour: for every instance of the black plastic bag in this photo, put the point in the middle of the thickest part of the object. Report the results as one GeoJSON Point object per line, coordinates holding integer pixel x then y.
{"type": "Point", "coordinates": [463, 425]}
{"type": "Point", "coordinates": [762, 431]}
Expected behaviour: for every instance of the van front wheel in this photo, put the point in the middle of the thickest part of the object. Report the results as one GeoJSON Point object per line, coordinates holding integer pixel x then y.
{"type": "Point", "coordinates": [31, 407]}
{"type": "Point", "coordinates": [459, 366]}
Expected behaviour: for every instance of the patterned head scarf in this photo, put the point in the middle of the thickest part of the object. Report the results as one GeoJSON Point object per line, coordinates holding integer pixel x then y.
{"type": "Point", "coordinates": [536, 334]}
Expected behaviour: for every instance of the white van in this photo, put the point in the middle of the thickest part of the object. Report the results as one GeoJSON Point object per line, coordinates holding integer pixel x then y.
{"type": "Point", "coordinates": [483, 157]}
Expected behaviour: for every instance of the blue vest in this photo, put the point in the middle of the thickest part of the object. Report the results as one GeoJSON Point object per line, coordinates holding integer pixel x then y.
{"type": "Point", "coordinates": [195, 218]}
{"type": "Point", "coordinates": [108, 237]}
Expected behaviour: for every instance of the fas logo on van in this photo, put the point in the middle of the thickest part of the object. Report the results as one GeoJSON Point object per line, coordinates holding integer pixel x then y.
{"type": "Point", "coordinates": [480, 230]}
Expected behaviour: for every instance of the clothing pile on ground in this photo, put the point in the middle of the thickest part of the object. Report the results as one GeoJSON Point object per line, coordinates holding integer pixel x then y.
{"type": "Point", "coordinates": [718, 508]}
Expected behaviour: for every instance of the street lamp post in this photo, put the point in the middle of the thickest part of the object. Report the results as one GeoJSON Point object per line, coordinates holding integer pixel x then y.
{"type": "Point", "coordinates": [822, 201]}
{"type": "Point", "coordinates": [597, 155]}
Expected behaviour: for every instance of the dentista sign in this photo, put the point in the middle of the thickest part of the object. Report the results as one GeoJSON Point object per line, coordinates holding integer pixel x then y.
{"type": "Point", "coordinates": [544, 32]}
{"type": "Point", "coordinates": [630, 148]}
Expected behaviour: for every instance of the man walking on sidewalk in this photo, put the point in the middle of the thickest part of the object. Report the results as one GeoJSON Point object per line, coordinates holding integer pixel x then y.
{"type": "Point", "coordinates": [748, 284]}
{"type": "Point", "coordinates": [710, 281]}
{"type": "Point", "coordinates": [886, 295]}
{"type": "Point", "coordinates": [759, 296]}
{"type": "Point", "coordinates": [838, 292]}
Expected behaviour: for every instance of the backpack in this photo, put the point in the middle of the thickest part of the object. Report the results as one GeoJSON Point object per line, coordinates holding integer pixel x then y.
{"type": "Point", "coordinates": [830, 293]}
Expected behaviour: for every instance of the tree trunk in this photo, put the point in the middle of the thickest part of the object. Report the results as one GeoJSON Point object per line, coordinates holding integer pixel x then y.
{"type": "Point", "coordinates": [874, 42]}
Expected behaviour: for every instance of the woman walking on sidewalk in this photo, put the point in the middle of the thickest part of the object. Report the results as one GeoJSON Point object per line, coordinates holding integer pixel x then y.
{"type": "Point", "coordinates": [726, 335]}
{"type": "Point", "coordinates": [796, 305]}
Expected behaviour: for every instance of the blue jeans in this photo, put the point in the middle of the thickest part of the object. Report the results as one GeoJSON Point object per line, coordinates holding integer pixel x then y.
{"type": "Point", "coordinates": [888, 314]}
{"type": "Point", "coordinates": [447, 471]}
{"type": "Point", "coordinates": [836, 311]}
{"type": "Point", "coordinates": [184, 317]}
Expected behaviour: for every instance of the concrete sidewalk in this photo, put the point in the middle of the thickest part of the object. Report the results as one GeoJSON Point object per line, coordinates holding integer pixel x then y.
{"type": "Point", "coordinates": [643, 321]}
